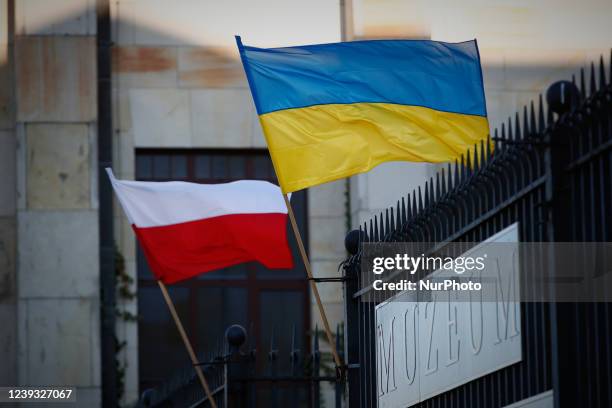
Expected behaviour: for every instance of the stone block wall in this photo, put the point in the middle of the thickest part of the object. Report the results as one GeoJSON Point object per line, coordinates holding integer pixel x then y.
{"type": "Point", "coordinates": [49, 256]}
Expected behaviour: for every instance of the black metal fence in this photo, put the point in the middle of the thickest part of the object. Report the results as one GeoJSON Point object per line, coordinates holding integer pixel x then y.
{"type": "Point", "coordinates": [290, 380]}
{"type": "Point", "coordinates": [240, 377]}
{"type": "Point", "coordinates": [550, 170]}
{"type": "Point", "coordinates": [184, 389]}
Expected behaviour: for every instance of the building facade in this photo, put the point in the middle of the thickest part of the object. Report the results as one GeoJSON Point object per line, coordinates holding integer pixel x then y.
{"type": "Point", "coordinates": [50, 270]}
{"type": "Point", "coordinates": [181, 109]}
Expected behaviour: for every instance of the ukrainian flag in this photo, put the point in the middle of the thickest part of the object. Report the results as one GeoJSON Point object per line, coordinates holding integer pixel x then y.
{"type": "Point", "coordinates": [329, 111]}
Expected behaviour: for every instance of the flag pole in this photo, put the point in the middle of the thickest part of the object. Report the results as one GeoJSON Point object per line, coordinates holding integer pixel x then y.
{"type": "Point", "coordinates": [313, 284]}
{"type": "Point", "coordinates": [188, 346]}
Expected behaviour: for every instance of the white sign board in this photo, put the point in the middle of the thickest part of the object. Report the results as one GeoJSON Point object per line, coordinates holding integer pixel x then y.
{"type": "Point", "coordinates": [426, 348]}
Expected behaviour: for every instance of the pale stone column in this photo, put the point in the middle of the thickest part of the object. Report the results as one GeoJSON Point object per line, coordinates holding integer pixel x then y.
{"type": "Point", "coordinates": [58, 306]}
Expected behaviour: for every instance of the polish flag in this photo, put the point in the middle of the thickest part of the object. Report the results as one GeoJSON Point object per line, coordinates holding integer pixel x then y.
{"type": "Point", "coordinates": [186, 229]}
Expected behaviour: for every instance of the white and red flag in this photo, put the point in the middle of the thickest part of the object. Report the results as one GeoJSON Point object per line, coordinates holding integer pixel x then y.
{"type": "Point", "coordinates": [186, 229]}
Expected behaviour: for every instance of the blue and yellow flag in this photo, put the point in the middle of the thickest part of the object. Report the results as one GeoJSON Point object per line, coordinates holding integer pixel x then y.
{"type": "Point", "coordinates": [329, 111]}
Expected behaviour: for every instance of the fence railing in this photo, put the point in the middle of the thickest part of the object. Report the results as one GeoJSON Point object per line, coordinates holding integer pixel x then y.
{"type": "Point", "coordinates": [183, 389]}
{"type": "Point", "coordinates": [549, 169]}
{"type": "Point", "coordinates": [293, 379]}
{"type": "Point", "coordinates": [242, 377]}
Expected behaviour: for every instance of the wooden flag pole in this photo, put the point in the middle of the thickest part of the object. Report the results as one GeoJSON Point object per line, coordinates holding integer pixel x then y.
{"type": "Point", "coordinates": [313, 284]}
{"type": "Point", "coordinates": [188, 346]}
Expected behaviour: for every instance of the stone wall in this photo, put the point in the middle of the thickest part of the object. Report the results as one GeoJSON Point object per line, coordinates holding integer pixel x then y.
{"type": "Point", "coordinates": [48, 204]}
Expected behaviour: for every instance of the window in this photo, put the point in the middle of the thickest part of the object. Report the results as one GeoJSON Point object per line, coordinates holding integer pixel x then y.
{"type": "Point", "coordinates": [261, 300]}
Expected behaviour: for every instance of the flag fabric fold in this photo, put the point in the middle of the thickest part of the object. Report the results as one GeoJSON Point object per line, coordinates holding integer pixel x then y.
{"type": "Point", "coordinates": [329, 111]}
{"type": "Point", "coordinates": [186, 229]}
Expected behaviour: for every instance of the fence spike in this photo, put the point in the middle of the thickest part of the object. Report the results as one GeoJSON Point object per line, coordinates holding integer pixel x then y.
{"type": "Point", "coordinates": [511, 131]}
{"type": "Point", "coordinates": [426, 198]}
{"type": "Point", "coordinates": [398, 216]}
{"type": "Point", "coordinates": [467, 170]}
{"type": "Point", "coordinates": [496, 144]}
{"type": "Point", "coordinates": [438, 186]}
{"type": "Point", "coordinates": [363, 234]}
{"type": "Point", "coordinates": [420, 208]}
{"type": "Point", "coordinates": [462, 176]}
{"type": "Point", "coordinates": [593, 83]}
{"type": "Point", "coordinates": [602, 73]}
{"type": "Point", "coordinates": [541, 124]}
{"type": "Point", "coordinates": [372, 231]}
{"type": "Point", "coordinates": [549, 115]}
{"type": "Point", "coordinates": [432, 198]}
{"type": "Point", "coordinates": [574, 106]}
{"type": "Point", "coordinates": [377, 228]}
{"type": "Point", "coordinates": [532, 120]}
{"type": "Point", "coordinates": [483, 156]}
{"type": "Point", "coordinates": [517, 127]}
{"type": "Point", "coordinates": [374, 225]}
{"type": "Point", "coordinates": [444, 190]}
{"type": "Point", "coordinates": [404, 215]}
{"type": "Point", "coordinates": [392, 220]}
{"type": "Point", "coordinates": [456, 175]}
{"type": "Point", "coordinates": [381, 225]}
{"type": "Point", "coordinates": [582, 83]}
{"type": "Point", "coordinates": [526, 132]}
{"type": "Point", "coordinates": [476, 159]}
{"type": "Point", "coordinates": [387, 223]}
{"type": "Point", "coordinates": [376, 235]}
{"type": "Point", "coordinates": [410, 206]}
{"type": "Point", "coordinates": [449, 181]}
